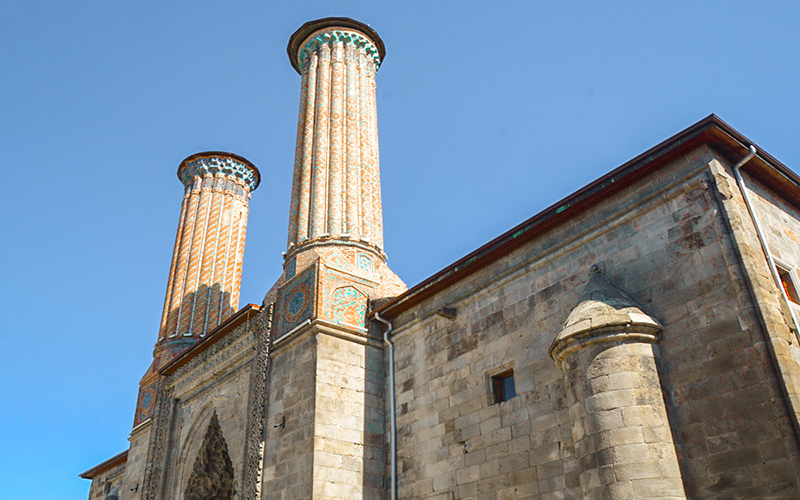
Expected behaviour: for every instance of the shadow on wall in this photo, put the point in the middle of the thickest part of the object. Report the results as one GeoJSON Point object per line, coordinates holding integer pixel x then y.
{"type": "Point", "coordinates": [376, 476]}
{"type": "Point", "coordinates": [199, 312]}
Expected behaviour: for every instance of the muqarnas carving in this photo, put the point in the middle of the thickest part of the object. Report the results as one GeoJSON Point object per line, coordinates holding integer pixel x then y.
{"type": "Point", "coordinates": [212, 474]}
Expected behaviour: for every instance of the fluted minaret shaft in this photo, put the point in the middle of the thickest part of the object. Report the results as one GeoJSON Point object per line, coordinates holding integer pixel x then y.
{"type": "Point", "coordinates": [206, 270]}
{"type": "Point", "coordinates": [336, 185]}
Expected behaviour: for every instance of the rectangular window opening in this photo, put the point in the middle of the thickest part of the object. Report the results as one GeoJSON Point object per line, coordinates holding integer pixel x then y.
{"type": "Point", "coordinates": [503, 387]}
{"type": "Point", "coordinates": [788, 284]}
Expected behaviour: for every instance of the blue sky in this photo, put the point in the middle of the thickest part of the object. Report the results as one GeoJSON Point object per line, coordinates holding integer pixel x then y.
{"type": "Point", "coordinates": [488, 113]}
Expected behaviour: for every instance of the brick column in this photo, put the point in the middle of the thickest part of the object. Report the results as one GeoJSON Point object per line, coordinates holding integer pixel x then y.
{"type": "Point", "coordinates": [336, 187]}
{"type": "Point", "coordinates": [622, 436]}
{"type": "Point", "coordinates": [206, 269]}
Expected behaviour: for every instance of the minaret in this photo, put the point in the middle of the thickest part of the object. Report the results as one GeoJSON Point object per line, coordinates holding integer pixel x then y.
{"type": "Point", "coordinates": [336, 191]}
{"type": "Point", "coordinates": [326, 413]}
{"type": "Point", "coordinates": [206, 270]}
{"type": "Point", "coordinates": [335, 214]}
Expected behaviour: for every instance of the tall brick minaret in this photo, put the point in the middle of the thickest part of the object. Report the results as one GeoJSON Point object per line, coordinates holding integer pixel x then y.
{"type": "Point", "coordinates": [336, 192]}
{"type": "Point", "coordinates": [326, 376]}
{"type": "Point", "coordinates": [206, 270]}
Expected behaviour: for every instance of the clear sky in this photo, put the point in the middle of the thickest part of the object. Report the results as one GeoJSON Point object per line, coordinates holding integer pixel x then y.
{"type": "Point", "coordinates": [488, 113]}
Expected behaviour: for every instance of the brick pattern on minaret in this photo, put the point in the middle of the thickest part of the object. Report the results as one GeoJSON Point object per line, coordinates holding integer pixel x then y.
{"type": "Point", "coordinates": [203, 286]}
{"type": "Point", "coordinates": [336, 192]}
{"type": "Point", "coordinates": [206, 269]}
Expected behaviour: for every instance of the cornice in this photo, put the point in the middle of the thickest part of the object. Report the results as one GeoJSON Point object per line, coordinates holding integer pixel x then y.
{"type": "Point", "coordinates": [219, 163]}
{"type": "Point", "coordinates": [331, 24]}
{"type": "Point", "coordinates": [104, 466]}
{"type": "Point", "coordinates": [327, 241]}
{"type": "Point", "coordinates": [712, 130]}
{"type": "Point", "coordinates": [211, 338]}
{"type": "Point", "coordinates": [568, 343]}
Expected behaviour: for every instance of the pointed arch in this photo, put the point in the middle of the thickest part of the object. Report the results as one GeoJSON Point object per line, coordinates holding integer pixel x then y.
{"type": "Point", "coordinates": [212, 473]}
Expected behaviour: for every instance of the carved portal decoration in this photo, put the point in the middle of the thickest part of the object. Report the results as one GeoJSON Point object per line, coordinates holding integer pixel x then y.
{"type": "Point", "coordinates": [212, 474]}
{"type": "Point", "coordinates": [256, 411]}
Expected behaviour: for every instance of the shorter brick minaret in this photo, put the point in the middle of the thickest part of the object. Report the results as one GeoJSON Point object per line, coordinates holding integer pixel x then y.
{"type": "Point", "coordinates": [206, 270]}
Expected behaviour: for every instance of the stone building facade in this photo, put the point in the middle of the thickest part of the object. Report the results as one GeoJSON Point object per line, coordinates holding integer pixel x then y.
{"type": "Point", "coordinates": [638, 339]}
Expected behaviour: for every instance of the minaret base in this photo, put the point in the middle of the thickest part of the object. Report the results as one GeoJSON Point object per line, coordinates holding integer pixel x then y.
{"type": "Point", "coordinates": [325, 425]}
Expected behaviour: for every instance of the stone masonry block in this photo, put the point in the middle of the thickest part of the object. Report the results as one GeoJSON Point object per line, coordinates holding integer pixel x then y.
{"type": "Point", "coordinates": [637, 470]}
{"type": "Point", "coordinates": [611, 400]}
{"type": "Point", "coordinates": [658, 488]}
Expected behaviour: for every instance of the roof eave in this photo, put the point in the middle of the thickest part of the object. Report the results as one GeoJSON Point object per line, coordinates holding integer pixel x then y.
{"type": "Point", "coordinates": [104, 466]}
{"type": "Point", "coordinates": [710, 130]}
{"type": "Point", "coordinates": [212, 337]}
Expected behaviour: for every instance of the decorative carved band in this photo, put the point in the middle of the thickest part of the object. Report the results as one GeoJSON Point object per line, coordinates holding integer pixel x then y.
{"type": "Point", "coordinates": [157, 450]}
{"type": "Point", "coordinates": [256, 411]}
{"type": "Point", "coordinates": [348, 37]}
{"type": "Point", "coordinates": [160, 471]}
{"type": "Point", "coordinates": [326, 242]}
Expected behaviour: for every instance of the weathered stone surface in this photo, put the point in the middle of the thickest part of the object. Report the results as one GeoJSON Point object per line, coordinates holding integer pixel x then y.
{"type": "Point", "coordinates": [608, 444]}
{"type": "Point", "coordinates": [604, 312]}
{"type": "Point", "coordinates": [675, 256]}
{"type": "Point", "coordinates": [686, 385]}
{"type": "Point", "coordinates": [107, 482]}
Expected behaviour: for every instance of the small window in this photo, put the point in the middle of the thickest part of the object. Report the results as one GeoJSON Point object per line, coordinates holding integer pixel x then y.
{"type": "Point", "coordinates": [788, 284]}
{"type": "Point", "coordinates": [503, 387]}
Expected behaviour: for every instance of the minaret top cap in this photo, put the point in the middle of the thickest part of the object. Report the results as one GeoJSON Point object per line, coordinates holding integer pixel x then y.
{"type": "Point", "coordinates": [300, 36]}
{"type": "Point", "coordinates": [221, 162]}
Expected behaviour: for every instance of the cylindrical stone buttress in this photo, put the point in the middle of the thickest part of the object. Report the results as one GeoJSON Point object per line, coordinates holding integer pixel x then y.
{"type": "Point", "coordinates": [623, 441]}
{"type": "Point", "coordinates": [619, 423]}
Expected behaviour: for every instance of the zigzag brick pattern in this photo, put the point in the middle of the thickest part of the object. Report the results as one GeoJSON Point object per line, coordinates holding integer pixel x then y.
{"type": "Point", "coordinates": [203, 285]}
{"type": "Point", "coordinates": [206, 269]}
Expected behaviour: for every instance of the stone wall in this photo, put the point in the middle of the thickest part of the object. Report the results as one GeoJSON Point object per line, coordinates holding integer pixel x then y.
{"type": "Point", "coordinates": [289, 432]}
{"type": "Point", "coordinates": [137, 458]}
{"type": "Point", "coordinates": [325, 419]}
{"type": "Point", "coordinates": [105, 481]}
{"type": "Point", "coordinates": [751, 442]}
{"type": "Point", "coordinates": [667, 243]}
{"type": "Point", "coordinates": [349, 420]}
{"type": "Point", "coordinates": [781, 227]}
